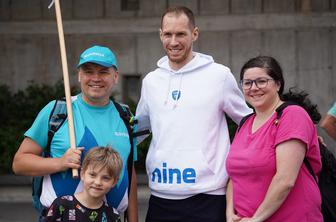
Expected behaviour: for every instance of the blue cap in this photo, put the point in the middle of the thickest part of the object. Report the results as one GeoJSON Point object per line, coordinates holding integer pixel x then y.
{"type": "Point", "coordinates": [99, 55]}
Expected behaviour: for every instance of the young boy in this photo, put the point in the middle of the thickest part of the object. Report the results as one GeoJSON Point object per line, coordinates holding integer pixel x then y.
{"type": "Point", "coordinates": [99, 173]}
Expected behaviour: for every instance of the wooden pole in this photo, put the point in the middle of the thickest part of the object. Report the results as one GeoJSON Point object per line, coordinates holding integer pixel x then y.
{"type": "Point", "coordinates": [66, 80]}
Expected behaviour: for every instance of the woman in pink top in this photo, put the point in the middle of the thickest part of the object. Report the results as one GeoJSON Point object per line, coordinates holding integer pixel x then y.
{"type": "Point", "coordinates": [268, 180]}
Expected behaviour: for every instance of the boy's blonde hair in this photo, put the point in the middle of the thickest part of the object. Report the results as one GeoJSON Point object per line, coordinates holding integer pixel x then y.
{"type": "Point", "coordinates": [104, 157]}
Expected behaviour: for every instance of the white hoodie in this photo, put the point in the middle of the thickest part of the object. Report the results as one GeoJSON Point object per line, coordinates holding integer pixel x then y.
{"type": "Point", "coordinates": [190, 141]}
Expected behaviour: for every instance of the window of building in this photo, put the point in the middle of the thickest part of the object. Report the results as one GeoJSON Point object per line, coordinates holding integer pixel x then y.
{"type": "Point", "coordinates": [129, 5]}
{"type": "Point", "coordinates": [131, 88]}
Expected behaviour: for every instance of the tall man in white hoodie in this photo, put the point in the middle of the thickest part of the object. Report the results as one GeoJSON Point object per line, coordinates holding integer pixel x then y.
{"type": "Point", "coordinates": [185, 100]}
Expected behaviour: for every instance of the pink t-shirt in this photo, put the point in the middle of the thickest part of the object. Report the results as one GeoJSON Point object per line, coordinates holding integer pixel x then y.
{"type": "Point", "coordinates": [251, 165]}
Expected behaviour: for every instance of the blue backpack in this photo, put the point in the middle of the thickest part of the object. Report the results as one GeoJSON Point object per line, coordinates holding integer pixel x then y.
{"type": "Point", "coordinates": [57, 117]}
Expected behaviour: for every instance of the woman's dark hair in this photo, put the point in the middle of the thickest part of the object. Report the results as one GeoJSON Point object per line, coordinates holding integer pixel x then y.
{"type": "Point", "coordinates": [270, 65]}
{"type": "Point", "coordinates": [300, 97]}
{"type": "Point", "coordinates": [273, 69]}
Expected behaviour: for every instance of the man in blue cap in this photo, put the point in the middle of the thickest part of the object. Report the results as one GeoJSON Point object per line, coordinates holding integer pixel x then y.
{"type": "Point", "coordinates": [97, 123]}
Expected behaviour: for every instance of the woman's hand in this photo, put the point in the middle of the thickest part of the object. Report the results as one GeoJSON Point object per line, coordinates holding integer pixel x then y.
{"type": "Point", "coordinates": [230, 212]}
{"type": "Point", "coordinates": [235, 218]}
{"type": "Point", "coordinates": [248, 219]}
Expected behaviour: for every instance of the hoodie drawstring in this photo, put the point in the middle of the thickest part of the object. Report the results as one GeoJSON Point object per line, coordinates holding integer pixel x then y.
{"type": "Point", "coordinates": [171, 76]}
{"type": "Point", "coordinates": [167, 94]}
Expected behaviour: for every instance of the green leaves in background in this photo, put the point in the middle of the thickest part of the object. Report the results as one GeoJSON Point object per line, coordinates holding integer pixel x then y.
{"type": "Point", "coordinates": [17, 113]}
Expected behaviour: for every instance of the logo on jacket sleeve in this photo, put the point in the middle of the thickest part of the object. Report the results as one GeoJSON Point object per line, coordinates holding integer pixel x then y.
{"type": "Point", "coordinates": [173, 175]}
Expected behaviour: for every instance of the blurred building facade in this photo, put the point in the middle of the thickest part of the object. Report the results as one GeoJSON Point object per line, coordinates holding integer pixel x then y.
{"type": "Point", "coordinates": [301, 34]}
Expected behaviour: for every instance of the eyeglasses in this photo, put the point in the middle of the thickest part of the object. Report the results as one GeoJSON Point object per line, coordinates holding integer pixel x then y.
{"type": "Point", "coordinates": [259, 82]}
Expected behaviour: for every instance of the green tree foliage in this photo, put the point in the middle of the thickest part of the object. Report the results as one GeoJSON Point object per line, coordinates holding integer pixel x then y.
{"type": "Point", "coordinates": [18, 112]}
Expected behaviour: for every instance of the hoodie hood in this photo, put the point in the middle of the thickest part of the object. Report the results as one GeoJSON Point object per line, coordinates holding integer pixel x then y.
{"type": "Point", "coordinates": [199, 60]}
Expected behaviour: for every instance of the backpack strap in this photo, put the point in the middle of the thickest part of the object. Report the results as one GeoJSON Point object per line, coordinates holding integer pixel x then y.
{"type": "Point", "coordinates": [57, 117]}
{"type": "Point", "coordinates": [280, 109]}
{"type": "Point", "coordinates": [310, 169]}
{"type": "Point", "coordinates": [142, 129]}
{"type": "Point", "coordinates": [141, 133]}
{"type": "Point", "coordinates": [126, 116]}
{"type": "Point", "coordinates": [243, 120]}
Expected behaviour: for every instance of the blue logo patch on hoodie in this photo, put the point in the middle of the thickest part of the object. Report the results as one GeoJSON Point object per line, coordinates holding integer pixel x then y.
{"type": "Point", "coordinates": [176, 94]}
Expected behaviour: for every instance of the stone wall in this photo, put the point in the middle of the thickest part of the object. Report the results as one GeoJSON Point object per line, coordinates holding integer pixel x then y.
{"type": "Point", "coordinates": [301, 34]}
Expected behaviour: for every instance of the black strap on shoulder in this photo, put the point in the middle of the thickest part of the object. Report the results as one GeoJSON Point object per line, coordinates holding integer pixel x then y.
{"type": "Point", "coordinates": [125, 115]}
{"type": "Point", "coordinates": [280, 109]}
{"type": "Point", "coordinates": [57, 117]}
{"type": "Point", "coordinates": [243, 120]}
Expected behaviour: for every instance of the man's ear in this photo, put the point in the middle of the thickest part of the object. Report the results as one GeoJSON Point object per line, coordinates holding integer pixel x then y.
{"type": "Point", "coordinates": [160, 34]}
{"type": "Point", "coordinates": [195, 33]}
{"type": "Point", "coordinates": [115, 77]}
{"type": "Point", "coordinates": [78, 74]}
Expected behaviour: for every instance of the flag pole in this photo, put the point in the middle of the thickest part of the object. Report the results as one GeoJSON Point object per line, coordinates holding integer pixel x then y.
{"type": "Point", "coordinates": [66, 80]}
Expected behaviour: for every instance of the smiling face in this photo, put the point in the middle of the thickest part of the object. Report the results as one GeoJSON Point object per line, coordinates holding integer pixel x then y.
{"type": "Point", "coordinates": [177, 37]}
{"type": "Point", "coordinates": [96, 83]}
{"type": "Point", "coordinates": [261, 98]}
{"type": "Point", "coordinates": [97, 181]}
